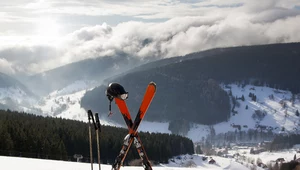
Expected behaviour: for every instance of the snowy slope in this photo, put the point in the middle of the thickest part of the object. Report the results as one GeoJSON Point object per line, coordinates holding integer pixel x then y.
{"type": "Point", "coordinates": [267, 158]}
{"type": "Point", "coordinates": [14, 163]}
{"type": "Point", "coordinates": [65, 103]}
{"type": "Point", "coordinates": [14, 93]}
{"type": "Point", "coordinates": [276, 117]}
{"type": "Point", "coordinates": [15, 98]}
{"type": "Point", "coordinates": [195, 161]}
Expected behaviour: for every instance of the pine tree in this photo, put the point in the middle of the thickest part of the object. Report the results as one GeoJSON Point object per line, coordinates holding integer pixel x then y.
{"type": "Point", "coordinates": [198, 150]}
{"type": "Point", "coordinates": [254, 97]}
{"type": "Point", "coordinates": [243, 98]}
{"type": "Point", "coordinates": [297, 113]}
{"type": "Point", "coordinates": [230, 93]}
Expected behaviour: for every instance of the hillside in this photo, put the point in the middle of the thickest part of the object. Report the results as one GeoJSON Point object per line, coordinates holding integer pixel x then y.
{"type": "Point", "coordinates": [13, 94]}
{"type": "Point", "coordinates": [272, 112]}
{"type": "Point", "coordinates": [188, 88]}
{"type": "Point", "coordinates": [96, 69]}
{"type": "Point", "coordinates": [257, 64]}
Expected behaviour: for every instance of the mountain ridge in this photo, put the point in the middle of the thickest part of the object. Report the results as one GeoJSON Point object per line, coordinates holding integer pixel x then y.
{"type": "Point", "coordinates": [93, 69]}
{"type": "Point", "coordinates": [178, 82]}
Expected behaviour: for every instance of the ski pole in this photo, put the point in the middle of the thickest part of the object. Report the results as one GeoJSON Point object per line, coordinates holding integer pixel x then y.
{"type": "Point", "coordinates": [90, 115]}
{"type": "Point", "coordinates": [98, 141]}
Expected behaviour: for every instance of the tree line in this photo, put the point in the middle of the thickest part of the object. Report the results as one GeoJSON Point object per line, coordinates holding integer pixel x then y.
{"type": "Point", "coordinates": [28, 135]}
{"type": "Point", "coordinates": [284, 141]}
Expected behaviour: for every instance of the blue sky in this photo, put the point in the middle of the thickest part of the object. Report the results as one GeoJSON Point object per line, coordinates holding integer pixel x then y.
{"type": "Point", "coordinates": [37, 35]}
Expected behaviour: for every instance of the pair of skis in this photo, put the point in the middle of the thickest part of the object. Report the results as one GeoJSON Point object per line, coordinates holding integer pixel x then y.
{"type": "Point", "coordinates": [97, 127]}
{"type": "Point", "coordinates": [133, 136]}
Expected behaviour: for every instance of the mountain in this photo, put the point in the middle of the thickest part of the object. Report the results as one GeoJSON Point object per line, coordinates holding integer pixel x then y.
{"type": "Point", "coordinates": [13, 94]}
{"type": "Point", "coordinates": [96, 69]}
{"type": "Point", "coordinates": [188, 87]}
{"type": "Point", "coordinates": [258, 112]}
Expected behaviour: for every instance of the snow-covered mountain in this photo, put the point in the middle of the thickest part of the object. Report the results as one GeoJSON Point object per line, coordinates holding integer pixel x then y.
{"type": "Point", "coordinates": [272, 109]}
{"type": "Point", "coordinates": [65, 102]}
{"type": "Point", "coordinates": [14, 95]}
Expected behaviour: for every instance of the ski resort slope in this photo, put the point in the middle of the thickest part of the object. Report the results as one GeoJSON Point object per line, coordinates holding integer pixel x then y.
{"type": "Point", "coordinates": [16, 163]}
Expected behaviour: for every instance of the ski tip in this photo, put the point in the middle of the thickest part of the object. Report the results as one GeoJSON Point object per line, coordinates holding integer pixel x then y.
{"type": "Point", "coordinates": [153, 84]}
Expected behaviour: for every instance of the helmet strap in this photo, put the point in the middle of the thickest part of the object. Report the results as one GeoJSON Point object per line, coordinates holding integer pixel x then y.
{"type": "Point", "coordinates": [110, 100]}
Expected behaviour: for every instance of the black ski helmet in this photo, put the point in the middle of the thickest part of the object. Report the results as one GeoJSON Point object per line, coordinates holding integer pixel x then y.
{"type": "Point", "coordinates": [116, 90]}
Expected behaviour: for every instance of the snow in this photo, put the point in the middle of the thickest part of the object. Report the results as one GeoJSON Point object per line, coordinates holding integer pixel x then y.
{"type": "Point", "coordinates": [65, 103]}
{"type": "Point", "coordinates": [16, 163]}
{"type": "Point", "coordinates": [67, 106]}
{"type": "Point", "coordinates": [76, 86]}
{"type": "Point", "coordinates": [267, 157]}
{"type": "Point", "coordinates": [155, 127]}
{"type": "Point", "coordinates": [14, 93]}
{"type": "Point", "coordinates": [184, 161]}
{"type": "Point", "coordinates": [15, 98]}
{"type": "Point", "coordinates": [198, 132]}
{"type": "Point", "coordinates": [276, 114]}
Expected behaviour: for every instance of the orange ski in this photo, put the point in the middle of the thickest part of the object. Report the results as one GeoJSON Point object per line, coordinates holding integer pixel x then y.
{"type": "Point", "coordinates": [132, 127]}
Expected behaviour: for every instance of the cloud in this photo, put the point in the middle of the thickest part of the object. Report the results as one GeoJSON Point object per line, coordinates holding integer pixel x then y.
{"type": "Point", "coordinates": [6, 67]}
{"type": "Point", "coordinates": [194, 26]}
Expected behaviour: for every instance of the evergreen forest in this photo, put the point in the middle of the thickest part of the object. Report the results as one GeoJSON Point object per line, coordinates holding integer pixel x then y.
{"type": "Point", "coordinates": [28, 135]}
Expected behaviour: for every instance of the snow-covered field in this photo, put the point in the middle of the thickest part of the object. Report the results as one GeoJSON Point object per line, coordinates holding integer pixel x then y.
{"type": "Point", "coordinates": [186, 162]}
{"type": "Point", "coordinates": [267, 157]}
